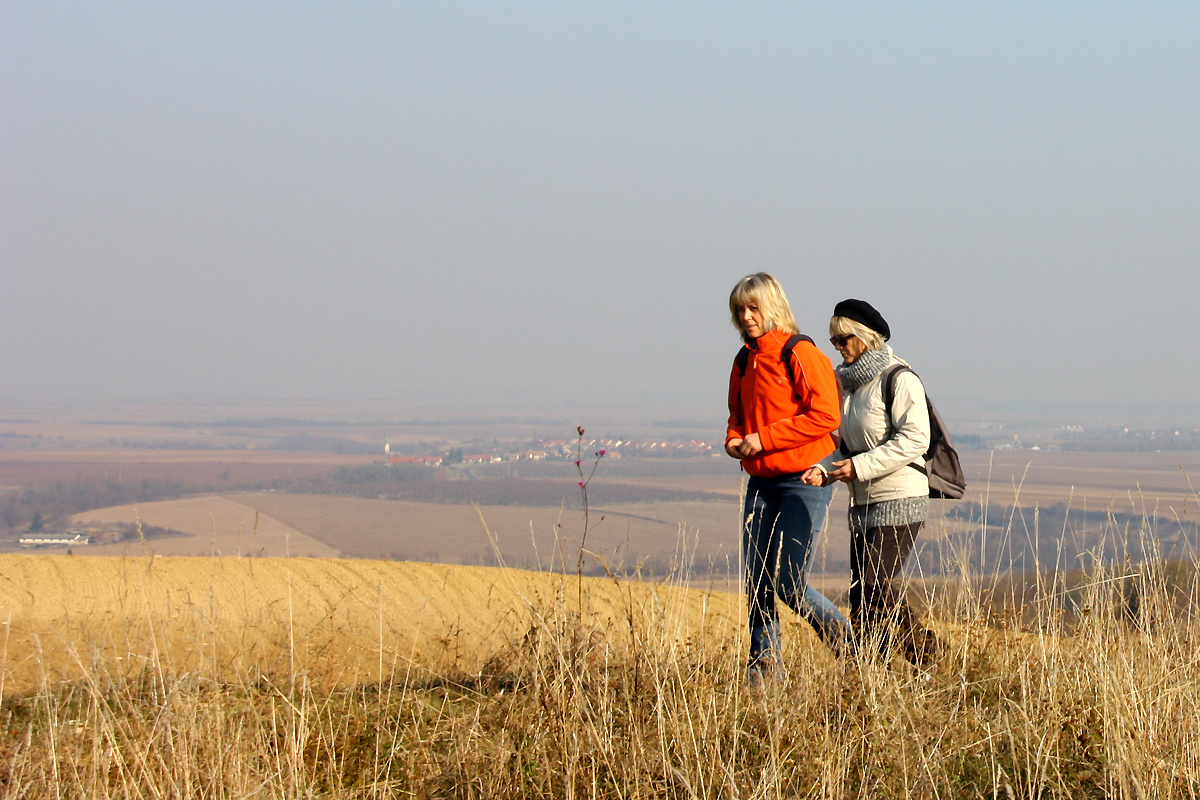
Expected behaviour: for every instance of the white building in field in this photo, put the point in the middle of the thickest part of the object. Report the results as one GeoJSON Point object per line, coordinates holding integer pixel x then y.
{"type": "Point", "coordinates": [68, 539]}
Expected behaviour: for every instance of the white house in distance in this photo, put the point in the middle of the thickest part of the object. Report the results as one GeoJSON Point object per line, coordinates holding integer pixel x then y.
{"type": "Point", "coordinates": [68, 539]}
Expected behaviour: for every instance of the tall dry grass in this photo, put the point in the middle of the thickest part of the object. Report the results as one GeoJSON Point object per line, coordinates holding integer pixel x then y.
{"type": "Point", "coordinates": [560, 687]}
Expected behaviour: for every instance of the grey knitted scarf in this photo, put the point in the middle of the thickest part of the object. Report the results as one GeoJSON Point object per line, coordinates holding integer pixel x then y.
{"type": "Point", "coordinates": [866, 367]}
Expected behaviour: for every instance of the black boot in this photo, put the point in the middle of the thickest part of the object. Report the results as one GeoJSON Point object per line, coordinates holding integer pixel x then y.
{"type": "Point", "coordinates": [900, 626]}
{"type": "Point", "coordinates": [861, 630]}
{"type": "Point", "coordinates": [856, 605]}
{"type": "Point", "coordinates": [875, 620]}
{"type": "Point", "coordinates": [920, 646]}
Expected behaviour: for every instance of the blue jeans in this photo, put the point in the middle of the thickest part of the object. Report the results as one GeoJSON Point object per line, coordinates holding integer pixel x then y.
{"type": "Point", "coordinates": [782, 517]}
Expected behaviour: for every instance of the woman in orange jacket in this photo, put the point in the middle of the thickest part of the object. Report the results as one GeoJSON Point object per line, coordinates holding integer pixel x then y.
{"type": "Point", "coordinates": [783, 410]}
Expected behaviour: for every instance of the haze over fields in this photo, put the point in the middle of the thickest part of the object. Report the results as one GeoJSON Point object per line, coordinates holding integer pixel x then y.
{"type": "Point", "coordinates": [662, 501]}
{"type": "Point", "coordinates": [516, 207]}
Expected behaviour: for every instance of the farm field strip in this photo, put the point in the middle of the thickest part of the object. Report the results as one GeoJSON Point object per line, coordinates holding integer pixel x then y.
{"type": "Point", "coordinates": [728, 485]}
{"type": "Point", "coordinates": [531, 535]}
{"type": "Point", "coordinates": [217, 525]}
{"type": "Point", "coordinates": [327, 526]}
{"type": "Point", "coordinates": [1098, 478]}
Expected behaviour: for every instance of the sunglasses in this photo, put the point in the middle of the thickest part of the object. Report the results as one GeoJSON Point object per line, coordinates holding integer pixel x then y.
{"type": "Point", "coordinates": [840, 341]}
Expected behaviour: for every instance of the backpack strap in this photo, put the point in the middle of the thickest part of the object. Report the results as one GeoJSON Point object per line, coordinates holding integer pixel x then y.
{"type": "Point", "coordinates": [785, 355]}
{"type": "Point", "coordinates": [889, 396]}
{"type": "Point", "coordinates": [743, 361]}
{"type": "Point", "coordinates": [889, 386]}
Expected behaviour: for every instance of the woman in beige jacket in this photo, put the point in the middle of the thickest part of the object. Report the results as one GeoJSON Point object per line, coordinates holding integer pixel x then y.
{"type": "Point", "coordinates": [881, 459]}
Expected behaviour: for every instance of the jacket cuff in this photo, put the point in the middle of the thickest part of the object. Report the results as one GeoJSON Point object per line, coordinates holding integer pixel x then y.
{"type": "Point", "coordinates": [766, 440]}
{"type": "Point", "coordinates": [858, 464]}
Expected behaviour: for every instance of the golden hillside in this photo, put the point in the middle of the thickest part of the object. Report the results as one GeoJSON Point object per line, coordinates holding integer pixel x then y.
{"type": "Point", "coordinates": [236, 677]}
{"type": "Point", "coordinates": [343, 620]}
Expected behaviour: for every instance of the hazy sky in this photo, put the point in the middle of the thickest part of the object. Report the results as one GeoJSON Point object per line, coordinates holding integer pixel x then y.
{"type": "Point", "coordinates": [543, 203]}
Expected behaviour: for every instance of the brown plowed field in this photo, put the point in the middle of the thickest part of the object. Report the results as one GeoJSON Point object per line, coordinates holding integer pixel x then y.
{"type": "Point", "coordinates": [1047, 477]}
{"type": "Point", "coordinates": [327, 525]}
{"type": "Point", "coordinates": [1033, 476]}
{"type": "Point", "coordinates": [216, 526]}
{"type": "Point", "coordinates": [526, 536]}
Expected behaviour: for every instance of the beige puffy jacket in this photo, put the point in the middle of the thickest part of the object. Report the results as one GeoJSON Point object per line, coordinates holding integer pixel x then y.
{"type": "Point", "coordinates": [884, 450]}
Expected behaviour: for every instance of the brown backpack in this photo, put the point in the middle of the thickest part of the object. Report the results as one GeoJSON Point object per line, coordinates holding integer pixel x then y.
{"type": "Point", "coordinates": [946, 480]}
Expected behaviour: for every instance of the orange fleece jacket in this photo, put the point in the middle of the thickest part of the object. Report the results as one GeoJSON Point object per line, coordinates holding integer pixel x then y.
{"type": "Point", "coordinates": [795, 422]}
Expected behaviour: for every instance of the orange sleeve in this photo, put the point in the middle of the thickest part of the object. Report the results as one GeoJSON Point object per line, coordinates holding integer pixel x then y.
{"type": "Point", "coordinates": [733, 429]}
{"type": "Point", "coordinates": [816, 388]}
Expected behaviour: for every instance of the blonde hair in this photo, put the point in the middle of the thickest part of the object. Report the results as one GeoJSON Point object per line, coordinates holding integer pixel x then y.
{"type": "Point", "coordinates": [761, 289]}
{"type": "Point", "coordinates": [844, 326]}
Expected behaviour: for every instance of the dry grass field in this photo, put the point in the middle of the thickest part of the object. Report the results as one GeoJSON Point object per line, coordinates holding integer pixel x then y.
{"type": "Point", "coordinates": [341, 619]}
{"type": "Point", "coordinates": [296, 678]}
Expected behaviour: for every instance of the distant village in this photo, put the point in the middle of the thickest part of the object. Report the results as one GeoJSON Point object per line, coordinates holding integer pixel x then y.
{"type": "Point", "coordinates": [1002, 437]}
{"type": "Point", "coordinates": [557, 450]}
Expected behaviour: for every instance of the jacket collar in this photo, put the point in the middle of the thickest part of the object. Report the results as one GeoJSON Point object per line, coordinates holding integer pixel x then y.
{"type": "Point", "coordinates": [770, 342]}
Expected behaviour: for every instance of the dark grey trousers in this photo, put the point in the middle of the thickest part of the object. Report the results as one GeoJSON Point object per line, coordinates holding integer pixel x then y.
{"type": "Point", "coordinates": [879, 613]}
{"type": "Point", "coordinates": [878, 554]}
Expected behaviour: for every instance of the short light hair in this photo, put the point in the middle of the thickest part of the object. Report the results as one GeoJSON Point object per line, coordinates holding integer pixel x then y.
{"type": "Point", "coordinates": [844, 326]}
{"type": "Point", "coordinates": [761, 289]}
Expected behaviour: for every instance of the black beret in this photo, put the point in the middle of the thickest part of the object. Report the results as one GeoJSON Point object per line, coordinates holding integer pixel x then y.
{"type": "Point", "coordinates": [863, 312]}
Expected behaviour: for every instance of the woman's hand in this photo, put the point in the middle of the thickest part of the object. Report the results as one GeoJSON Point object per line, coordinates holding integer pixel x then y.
{"type": "Point", "coordinates": [750, 446]}
{"type": "Point", "coordinates": [731, 447]}
{"type": "Point", "coordinates": [813, 476]}
{"type": "Point", "coordinates": [843, 471]}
